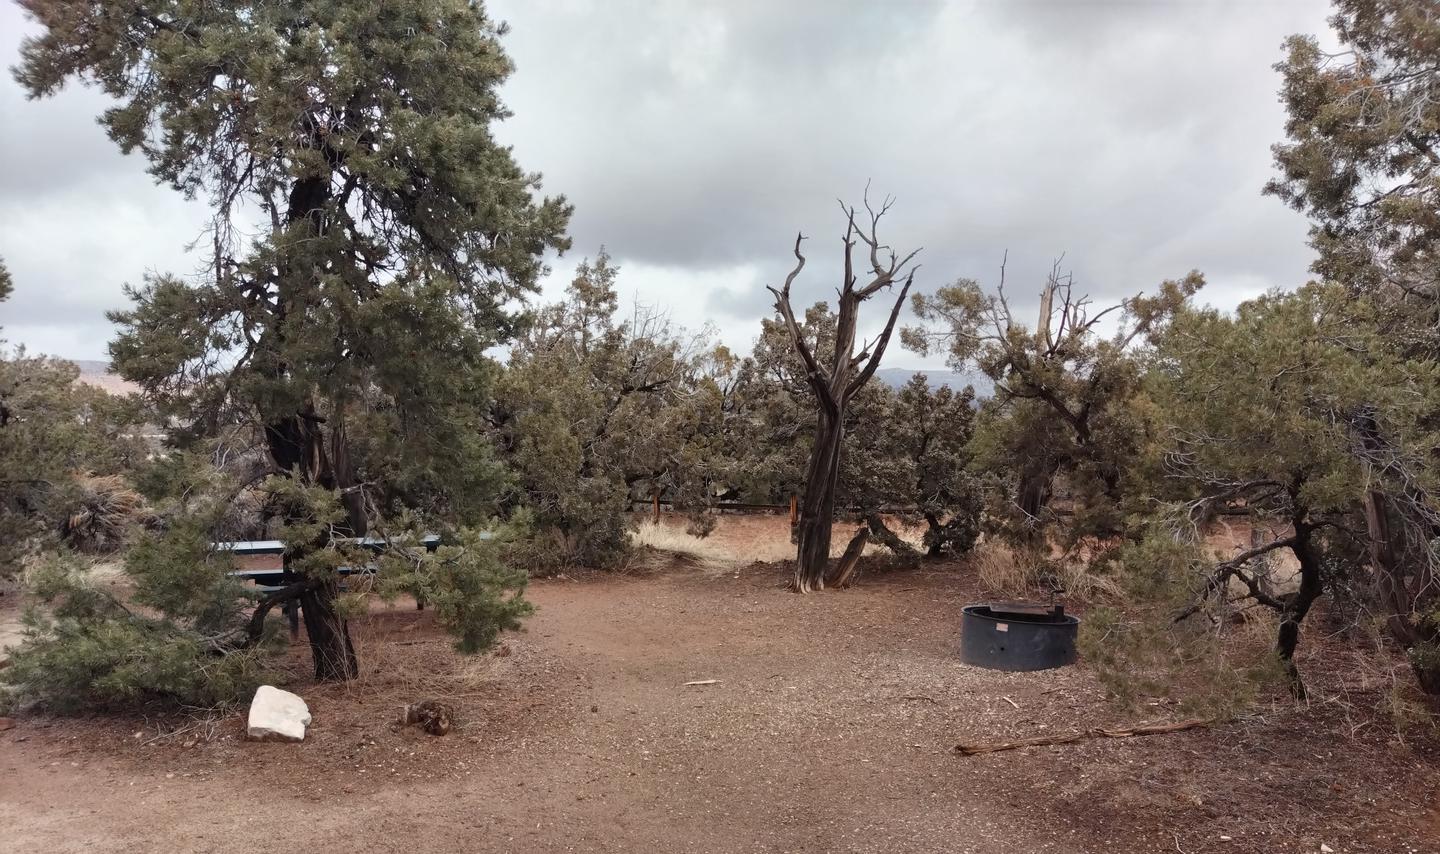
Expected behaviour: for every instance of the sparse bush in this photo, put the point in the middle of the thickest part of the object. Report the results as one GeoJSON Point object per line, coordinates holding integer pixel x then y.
{"type": "Point", "coordinates": [1212, 664]}
{"type": "Point", "coordinates": [475, 591]}
{"type": "Point", "coordinates": [62, 446]}
{"type": "Point", "coordinates": [592, 405]}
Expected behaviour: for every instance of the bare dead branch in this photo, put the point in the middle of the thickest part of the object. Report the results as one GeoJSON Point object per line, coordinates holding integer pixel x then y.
{"type": "Point", "coordinates": [883, 341]}
{"type": "Point", "coordinates": [814, 374]}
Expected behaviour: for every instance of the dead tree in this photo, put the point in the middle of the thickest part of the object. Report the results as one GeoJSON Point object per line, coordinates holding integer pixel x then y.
{"type": "Point", "coordinates": [834, 385]}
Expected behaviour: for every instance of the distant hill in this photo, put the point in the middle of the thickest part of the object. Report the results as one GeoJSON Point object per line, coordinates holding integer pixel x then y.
{"type": "Point", "coordinates": [897, 377]}
{"type": "Point", "coordinates": [98, 374]}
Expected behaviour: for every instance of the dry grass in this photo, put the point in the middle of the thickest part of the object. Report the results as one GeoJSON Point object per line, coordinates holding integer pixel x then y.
{"type": "Point", "coordinates": [711, 552]}
{"type": "Point", "coordinates": [740, 540]}
{"type": "Point", "coordinates": [1013, 572]}
{"type": "Point", "coordinates": [392, 639]}
{"type": "Point", "coordinates": [105, 510]}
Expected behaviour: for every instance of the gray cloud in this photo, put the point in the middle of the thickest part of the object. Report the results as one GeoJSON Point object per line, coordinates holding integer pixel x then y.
{"type": "Point", "coordinates": [696, 139]}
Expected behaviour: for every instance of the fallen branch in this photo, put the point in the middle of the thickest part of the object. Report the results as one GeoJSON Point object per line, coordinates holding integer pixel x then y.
{"type": "Point", "coordinates": [973, 748]}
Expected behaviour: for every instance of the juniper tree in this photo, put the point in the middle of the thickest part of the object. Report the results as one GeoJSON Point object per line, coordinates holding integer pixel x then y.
{"type": "Point", "coordinates": [835, 381]}
{"type": "Point", "coordinates": [935, 427]}
{"type": "Point", "coordinates": [1064, 408]}
{"type": "Point", "coordinates": [1362, 159]}
{"type": "Point", "coordinates": [598, 405]}
{"type": "Point", "coordinates": [370, 235]}
{"type": "Point", "coordinates": [1362, 155]}
{"type": "Point", "coordinates": [1259, 412]}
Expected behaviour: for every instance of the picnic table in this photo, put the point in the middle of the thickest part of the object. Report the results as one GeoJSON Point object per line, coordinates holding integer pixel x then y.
{"type": "Point", "coordinates": [271, 579]}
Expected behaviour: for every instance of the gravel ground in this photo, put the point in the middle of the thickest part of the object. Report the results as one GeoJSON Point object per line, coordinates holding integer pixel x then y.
{"type": "Point", "coordinates": [829, 728]}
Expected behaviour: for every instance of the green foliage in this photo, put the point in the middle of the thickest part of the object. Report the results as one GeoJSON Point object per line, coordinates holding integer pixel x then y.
{"type": "Point", "coordinates": [594, 408]}
{"type": "Point", "coordinates": [1067, 415]}
{"type": "Point", "coordinates": [88, 650]}
{"type": "Point", "coordinates": [347, 338]}
{"type": "Point", "coordinates": [54, 434]}
{"type": "Point", "coordinates": [929, 432]}
{"type": "Point", "coordinates": [1275, 410]}
{"type": "Point", "coordinates": [401, 227]}
{"type": "Point", "coordinates": [1363, 128]}
{"type": "Point", "coordinates": [1268, 395]}
{"type": "Point", "coordinates": [474, 589]}
{"type": "Point", "coordinates": [1361, 159]}
{"type": "Point", "coordinates": [1139, 653]}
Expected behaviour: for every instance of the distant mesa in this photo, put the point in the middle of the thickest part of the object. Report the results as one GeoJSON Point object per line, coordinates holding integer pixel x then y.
{"type": "Point", "coordinates": [97, 373]}
{"type": "Point", "coordinates": [898, 377]}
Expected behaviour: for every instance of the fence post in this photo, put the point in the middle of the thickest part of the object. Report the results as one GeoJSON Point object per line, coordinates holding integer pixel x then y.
{"type": "Point", "coordinates": [794, 512]}
{"type": "Point", "coordinates": [657, 506]}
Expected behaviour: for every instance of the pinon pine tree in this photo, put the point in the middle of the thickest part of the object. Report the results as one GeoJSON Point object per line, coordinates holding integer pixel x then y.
{"type": "Point", "coordinates": [368, 229]}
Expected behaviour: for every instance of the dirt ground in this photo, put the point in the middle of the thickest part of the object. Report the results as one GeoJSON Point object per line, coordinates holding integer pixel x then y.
{"type": "Point", "coordinates": [830, 728]}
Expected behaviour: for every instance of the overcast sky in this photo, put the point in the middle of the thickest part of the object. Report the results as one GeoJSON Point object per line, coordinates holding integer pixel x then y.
{"type": "Point", "coordinates": [695, 139]}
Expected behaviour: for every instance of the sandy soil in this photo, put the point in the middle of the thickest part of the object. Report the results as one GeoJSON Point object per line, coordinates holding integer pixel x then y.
{"type": "Point", "coordinates": [830, 729]}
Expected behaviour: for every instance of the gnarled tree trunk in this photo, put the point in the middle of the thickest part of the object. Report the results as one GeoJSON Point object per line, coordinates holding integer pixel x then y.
{"type": "Point", "coordinates": [1297, 605]}
{"type": "Point", "coordinates": [297, 445]}
{"type": "Point", "coordinates": [817, 510]}
{"type": "Point", "coordinates": [845, 567]}
{"type": "Point", "coordinates": [834, 385]}
{"type": "Point", "coordinates": [1401, 577]}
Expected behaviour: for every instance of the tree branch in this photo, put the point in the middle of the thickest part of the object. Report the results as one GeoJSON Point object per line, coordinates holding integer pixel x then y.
{"type": "Point", "coordinates": [882, 342]}
{"type": "Point", "coordinates": [1234, 568]}
{"type": "Point", "coordinates": [814, 374]}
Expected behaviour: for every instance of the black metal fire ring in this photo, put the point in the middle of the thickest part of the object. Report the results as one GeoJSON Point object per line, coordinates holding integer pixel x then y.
{"type": "Point", "coordinates": [1017, 636]}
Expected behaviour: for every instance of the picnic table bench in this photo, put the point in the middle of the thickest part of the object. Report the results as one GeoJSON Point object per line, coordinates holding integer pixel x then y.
{"type": "Point", "coordinates": [269, 580]}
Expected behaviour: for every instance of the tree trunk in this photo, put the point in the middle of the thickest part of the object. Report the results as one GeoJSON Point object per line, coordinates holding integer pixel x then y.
{"type": "Point", "coordinates": [297, 442]}
{"type": "Point", "coordinates": [847, 373]}
{"type": "Point", "coordinates": [888, 538]}
{"type": "Point", "coordinates": [1385, 564]}
{"type": "Point", "coordinates": [1033, 491]}
{"type": "Point", "coordinates": [1400, 592]}
{"type": "Point", "coordinates": [330, 644]}
{"type": "Point", "coordinates": [297, 445]}
{"type": "Point", "coordinates": [845, 567]}
{"type": "Point", "coordinates": [817, 509]}
{"type": "Point", "coordinates": [1298, 605]}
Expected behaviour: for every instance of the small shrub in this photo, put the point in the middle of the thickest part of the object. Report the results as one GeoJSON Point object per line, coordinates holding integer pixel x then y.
{"type": "Point", "coordinates": [1212, 664]}
{"type": "Point", "coordinates": [475, 592]}
{"type": "Point", "coordinates": [86, 650]}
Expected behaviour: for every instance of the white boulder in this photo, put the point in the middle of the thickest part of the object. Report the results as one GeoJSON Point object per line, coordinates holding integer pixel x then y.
{"type": "Point", "coordinates": [277, 715]}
